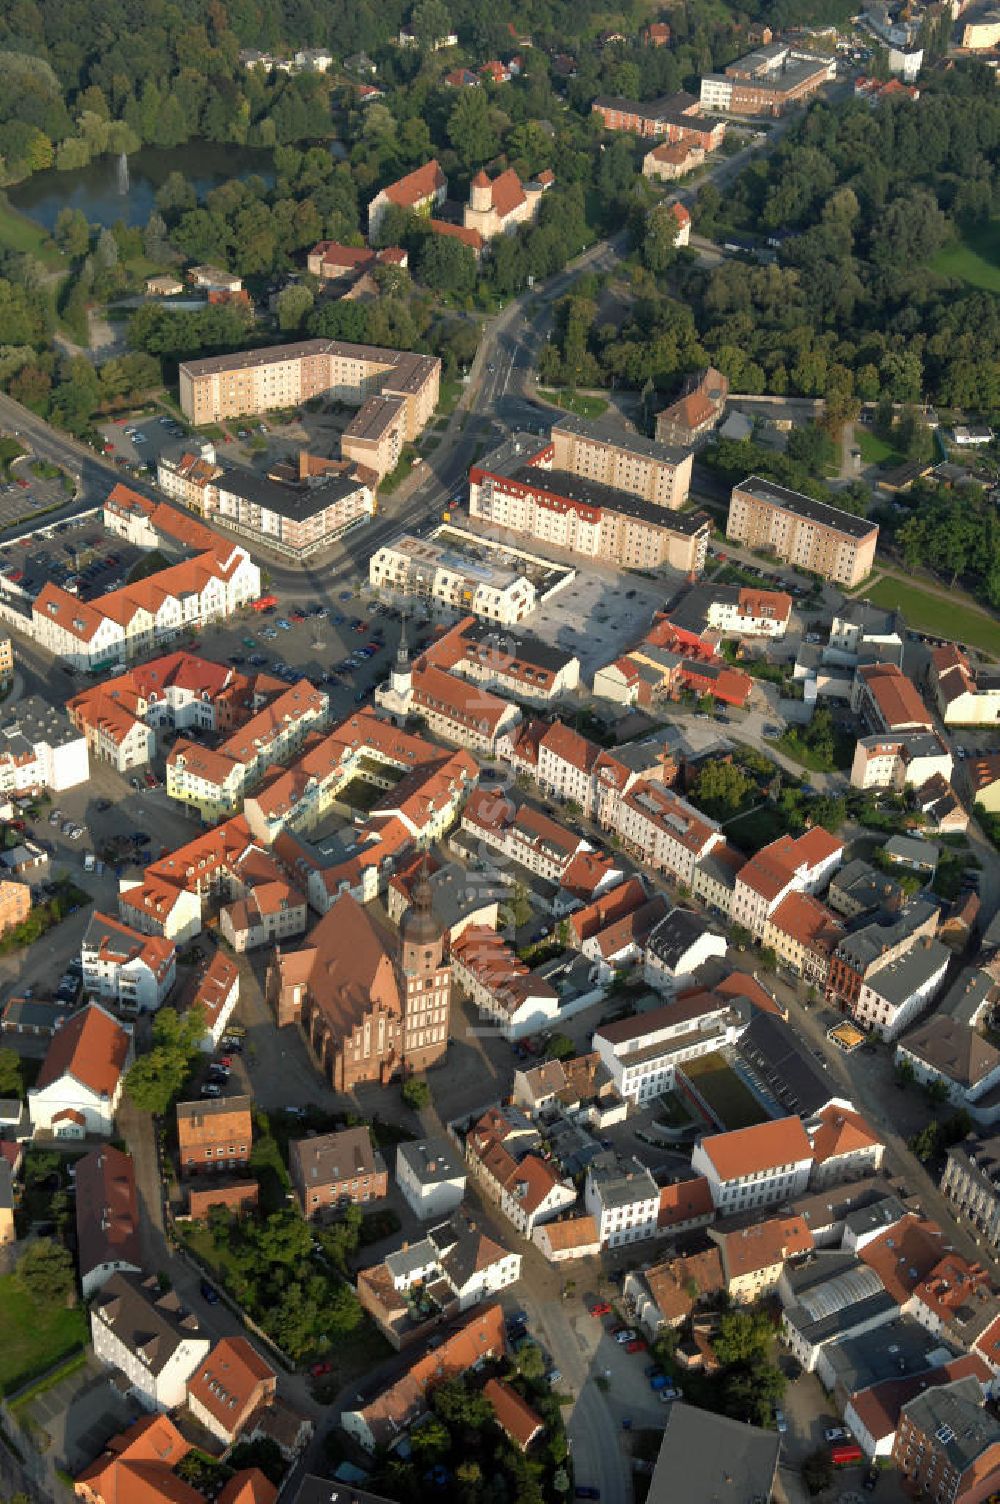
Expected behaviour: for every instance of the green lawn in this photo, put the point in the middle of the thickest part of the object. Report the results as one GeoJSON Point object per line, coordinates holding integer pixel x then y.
{"type": "Point", "coordinates": [875, 451]}
{"type": "Point", "coordinates": [758, 828]}
{"type": "Point", "coordinates": [941, 616]}
{"type": "Point", "coordinates": [575, 402]}
{"type": "Point", "coordinates": [724, 1091]}
{"type": "Point", "coordinates": [975, 258]}
{"type": "Point", "coordinates": [19, 233]}
{"type": "Point", "coordinates": [34, 1336]}
{"type": "Point", "coordinates": [449, 395]}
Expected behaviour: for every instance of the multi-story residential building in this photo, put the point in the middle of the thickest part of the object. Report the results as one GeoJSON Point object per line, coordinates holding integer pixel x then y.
{"type": "Point", "coordinates": [336, 1170]}
{"type": "Point", "coordinates": [189, 477]}
{"type": "Point", "coordinates": [624, 1202]}
{"type": "Point", "coordinates": [900, 761]}
{"type": "Point", "coordinates": [269, 914]}
{"type": "Point", "coordinates": [214, 780]}
{"type": "Point", "coordinates": [229, 1387]}
{"type": "Point", "coordinates": [947, 1050]}
{"type": "Point", "coordinates": [670, 161]}
{"type": "Point", "coordinates": [107, 1217]}
{"type": "Point", "coordinates": [891, 997]}
{"type": "Point", "coordinates": [845, 1146]}
{"type": "Point", "coordinates": [735, 610]}
{"type": "Point", "coordinates": [859, 888]}
{"type": "Point", "coordinates": [947, 1445]}
{"type": "Point", "coordinates": [809, 534]}
{"type": "Point", "coordinates": [372, 1007]}
{"type": "Point", "coordinates": [215, 991]}
{"type": "Point", "coordinates": [754, 1254]}
{"type": "Point", "coordinates": [755, 1167]}
{"type": "Point", "coordinates": [455, 710]}
{"type": "Point", "coordinates": [642, 1054]}
{"type": "Point", "coordinates": [667, 1294]}
{"type": "Point", "coordinates": [504, 990]}
{"type": "Point", "coordinates": [132, 621]}
{"type": "Point", "coordinates": [420, 192]}
{"type": "Point", "coordinates": [971, 1181]}
{"type": "Point", "coordinates": [214, 1135]}
{"type": "Point", "coordinates": [430, 1175]}
{"type": "Point", "coordinates": [454, 1267]}
{"type": "Point", "coordinates": [663, 830]}
{"type": "Point", "coordinates": [676, 118]}
{"type": "Point", "coordinates": [767, 81]}
{"type": "Point", "coordinates": [800, 864]}
{"type": "Point", "coordinates": [6, 657]}
{"type": "Point", "coordinates": [521, 667]}
{"type": "Point", "coordinates": [865, 951]}
{"type": "Point", "coordinates": [149, 1337]}
{"type": "Point", "coordinates": [696, 412]}
{"type": "Point", "coordinates": [514, 489]}
{"type": "Point", "coordinates": [40, 748]}
{"type": "Point", "coordinates": [392, 1411]}
{"type": "Point", "coordinates": [528, 1190]}
{"type": "Point", "coordinates": [134, 972]}
{"type": "Point", "coordinates": [282, 376]}
{"type": "Point", "coordinates": [803, 934]}
{"type": "Point", "coordinates": [965, 696]}
{"type": "Point", "coordinates": [626, 462]}
{"type": "Point", "coordinates": [887, 701]}
{"type": "Point", "coordinates": [79, 1086]}
{"type": "Point", "coordinates": [298, 517]}
{"type": "Point", "coordinates": [412, 568]}
{"type": "Point", "coordinates": [681, 943]}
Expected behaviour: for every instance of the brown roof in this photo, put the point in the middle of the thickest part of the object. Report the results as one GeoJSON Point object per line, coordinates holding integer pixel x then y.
{"type": "Point", "coordinates": [507, 193]}
{"type": "Point", "coordinates": [741, 984]}
{"type": "Point", "coordinates": [107, 1210]}
{"type": "Point", "coordinates": [351, 966]}
{"type": "Point", "coordinates": [331, 1158]}
{"type": "Point", "coordinates": [878, 1408]}
{"type": "Point", "coordinates": [677, 1284]}
{"type": "Point", "coordinates": [92, 1048]}
{"type": "Point", "coordinates": [512, 1414]}
{"type": "Point", "coordinates": [683, 1201]}
{"type": "Point", "coordinates": [416, 186]}
{"type": "Point", "coordinates": [472, 238]}
{"type": "Point", "coordinates": [571, 1232]}
{"type": "Point", "coordinates": [206, 1122]}
{"type": "Point", "coordinates": [762, 1245]}
{"type": "Point", "coordinates": [905, 1255]}
{"type": "Point", "coordinates": [898, 700]}
{"type": "Point", "coordinates": [231, 1382]}
{"type": "Point", "coordinates": [563, 742]}
{"type": "Point", "coordinates": [248, 1487]}
{"type": "Point", "coordinates": [745, 1151]}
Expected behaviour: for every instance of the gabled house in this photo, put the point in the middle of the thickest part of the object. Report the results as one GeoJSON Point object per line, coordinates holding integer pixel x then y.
{"type": "Point", "coordinates": [148, 1337]}
{"type": "Point", "coordinates": [80, 1084]}
{"type": "Point", "coordinates": [228, 1388]}
{"type": "Point", "coordinates": [107, 1217]}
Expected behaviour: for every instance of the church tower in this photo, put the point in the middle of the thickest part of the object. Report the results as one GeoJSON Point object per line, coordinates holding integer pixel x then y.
{"type": "Point", "coordinates": [401, 678]}
{"type": "Point", "coordinates": [481, 193]}
{"type": "Point", "coordinates": [426, 967]}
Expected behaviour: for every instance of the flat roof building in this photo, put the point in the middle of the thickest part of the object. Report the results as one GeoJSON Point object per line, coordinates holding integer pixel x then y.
{"type": "Point", "coordinates": [808, 534]}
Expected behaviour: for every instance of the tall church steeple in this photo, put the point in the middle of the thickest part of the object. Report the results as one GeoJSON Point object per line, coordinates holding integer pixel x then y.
{"type": "Point", "coordinates": [401, 678]}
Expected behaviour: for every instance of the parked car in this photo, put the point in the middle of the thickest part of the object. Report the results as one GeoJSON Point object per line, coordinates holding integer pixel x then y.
{"type": "Point", "coordinates": [599, 1308]}
{"type": "Point", "coordinates": [836, 1433]}
{"type": "Point", "coordinates": [211, 1089]}
{"type": "Point", "coordinates": [623, 1334]}
{"type": "Point", "coordinates": [780, 1421]}
{"type": "Point", "coordinates": [637, 1345]}
{"type": "Point", "coordinates": [209, 1293]}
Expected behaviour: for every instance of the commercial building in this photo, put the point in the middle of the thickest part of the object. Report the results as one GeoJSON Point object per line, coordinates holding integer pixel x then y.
{"type": "Point", "coordinates": [338, 1169]}
{"type": "Point", "coordinates": [661, 828]}
{"type": "Point", "coordinates": [41, 749]}
{"type": "Point", "coordinates": [519, 666]}
{"type": "Point", "coordinates": [767, 81]}
{"type": "Point", "coordinates": [971, 1181]}
{"type": "Point", "coordinates": [419, 569]}
{"type": "Point", "coordinates": [808, 534]}
{"type": "Point", "coordinates": [755, 1167]}
{"type": "Point", "coordinates": [283, 376]}
{"type": "Point", "coordinates": [702, 1453]}
{"type": "Point", "coordinates": [799, 864]}
{"type": "Point", "coordinates": [296, 518]}
{"type": "Point", "coordinates": [675, 119]}
{"type": "Point", "coordinates": [643, 1054]}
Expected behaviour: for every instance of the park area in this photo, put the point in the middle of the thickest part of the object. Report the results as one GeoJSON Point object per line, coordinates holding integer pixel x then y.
{"type": "Point", "coordinates": [975, 258]}
{"type": "Point", "coordinates": [937, 615]}
{"type": "Point", "coordinates": [732, 1102]}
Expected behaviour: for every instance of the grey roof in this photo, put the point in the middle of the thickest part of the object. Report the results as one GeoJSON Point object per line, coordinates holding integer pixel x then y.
{"type": "Point", "coordinates": [603, 432]}
{"type": "Point", "coordinates": [912, 851]}
{"type": "Point", "coordinates": [705, 1457]}
{"type": "Point", "coordinates": [952, 1049]}
{"type": "Point", "coordinates": [864, 946]}
{"type": "Point", "coordinates": [909, 972]}
{"type": "Point", "coordinates": [865, 885]}
{"type": "Point", "coordinates": [297, 502]}
{"type": "Point", "coordinates": [430, 1160]}
{"type": "Point", "coordinates": [841, 1320]}
{"type": "Point", "coordinates": [891, 1351]}
{"type": "Point", "coordinates": [313, 1490]}
{"type": "Point", "coordinates": [804, 506]}
{"type": "Point", "coordinates": [332, 1157]}
{"type": "Point", "coordinates": [35, 1013]}
{"type": "Point", "coordinates": [875, 1218]}
{"type": "Point", "coordinates": [952, 1417]}
{"type": "Point", "coordinates": [34, 720]}
{"type": "Point", "coordinates": [836, 1204]}
{"type": "Point", "coordinates": [6, 1186]}
{"type": "Point", "coordinates": [146, 1322]}
{"type": "Point", "coordinates": [592, 493]}
{"type": "Point", "coordinates": [456, 892]}
{"type": "Point", "coordinates": [620, 1185]}
{"type": "Point", "coordinates": [464, 1248]}
{"type": "Point", "coordinates": [691, 611]}
{"type": "Point", "coordinates": [818, 1269]}
{"type": "Point", "coordinates": [522, 647]}
{"type": "Point", "coordinates": [675, 934]}
{"type": "Point", "coordinates": [772, 1052]}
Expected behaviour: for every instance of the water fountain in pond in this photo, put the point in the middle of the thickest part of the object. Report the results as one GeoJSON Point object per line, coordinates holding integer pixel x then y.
{"type": "Point", "coordinates": [123, 174]}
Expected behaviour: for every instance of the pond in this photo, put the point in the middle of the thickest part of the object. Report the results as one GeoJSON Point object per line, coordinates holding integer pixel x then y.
{"type": "Point", "coordinates": [103, 195]}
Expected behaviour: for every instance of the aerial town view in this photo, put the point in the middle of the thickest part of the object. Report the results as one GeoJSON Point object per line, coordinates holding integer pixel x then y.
{"type": "Point", "coordinates": [499, 752]}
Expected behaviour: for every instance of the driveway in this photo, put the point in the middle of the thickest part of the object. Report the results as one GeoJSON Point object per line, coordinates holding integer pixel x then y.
{"type": "Point", "coordinates": [81, 1413]}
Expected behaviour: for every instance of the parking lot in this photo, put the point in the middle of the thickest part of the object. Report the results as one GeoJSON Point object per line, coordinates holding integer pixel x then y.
{"type": "Point", "coordinates": [81, 1413]}
{"type": "Point", "coordinates": [26, 492]}
{"type": "Point", "coordinates": [78, 555]}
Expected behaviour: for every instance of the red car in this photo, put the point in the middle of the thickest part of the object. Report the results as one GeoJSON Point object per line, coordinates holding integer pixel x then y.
{"type": "Point", "coordinates": [319, 1369]}
{"type": "Point", "coordinates": [107, 448]}
{"type": "Point", "coordinates": [637, 1345]}
{"type": "Point", "coordinates": [297, 615]}
{"type": "Point", "coordinates": [150, 780]}
{"type": "Point", "coordinates": [599, 1308]}
{"type": "Point", "coordinates": [226, 1060]}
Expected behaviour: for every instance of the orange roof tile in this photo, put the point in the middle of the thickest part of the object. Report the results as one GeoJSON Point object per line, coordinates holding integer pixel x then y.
{"type": "Point", "coordinates": [472, 238]}
{"type": "Point", "coordinates": [684, 1201]}
{"type": "Point", "coordinates": [92, 1047]}
{"type": "Point", "coordinates": [248, 1487]}
{"type": "Point", "coordinates": [745, 1151]}
{"type": "Point", "coordinates": [231, 1381]}
{"type": "Point", "coordinates": [416, 186]}
{"type": "Point", "coordinates": [841, 1131]}
{"type": "Point", "coordinates": [762, 1245]}
{"type": "Point", "coordinates": [513, 1414]}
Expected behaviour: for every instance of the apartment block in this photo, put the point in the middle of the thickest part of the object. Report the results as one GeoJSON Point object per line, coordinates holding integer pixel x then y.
{"type": "Point", "coordinates": [971, 1181]}
{"type": "Point", "coordinates": [898, 762]}
{"type": "Point", "coordinates": [624, 1201]}
{"type": "Point", "coordinates": [40, 749]}
{"type": "Point", "coordinates": [296, 516]}
{"type": "Point", "coordinates": [282, 376]}
{"type": "Point", "coordinates": [214, 1135]}
{"type": "Point", "coordinates": [132, 971]}
{"type": "Point", "coordinates": [808, 534]}
{"type": "Point", "coordinates": [335, 1170]}
{"type": "Point", "coordinates": [421, 569]}
{"type": "Point", "coordinates": [643, 1054]}
{"type": "Point", "coordinates": [755, 1167]}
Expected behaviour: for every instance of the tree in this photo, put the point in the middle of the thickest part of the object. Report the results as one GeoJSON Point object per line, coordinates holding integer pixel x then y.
{"type": "Point", "coordinates": [430, 1440]}
{"type": "Point", "coordinates": [430, 23]}
{"type": "Point", "coordinates": [722, 788]}
{"type": "Point", "coordinates": [927, 1142]}
{"type": "Point", "coordinates": [817, 1470]}
{"type": "Point", "coordinates": [471, 128]}
{"type": "Point", "coordinates": [292, 304]}
{"type": "Point", "coordinates": [416, 1093]}
{"type": "Point", "coordinates": [446, 265]}
{"type": "Point", "coordinates": [560, 1046]}
{"type": "Point", "coordinates": [11, 1083]}
{"type": "Point", "coordinates": [531, 1361]}
{"type": "Point", "coordinates": [45, 1272]}
{"type": "Point", "coordinates": [72, 232]}
{"type": "Point", "coordinates": [659, 242]}
{"type": "Point", "coordinates": [157, 1078]}
{"type": "Point", "coordinates": [743, 1336]}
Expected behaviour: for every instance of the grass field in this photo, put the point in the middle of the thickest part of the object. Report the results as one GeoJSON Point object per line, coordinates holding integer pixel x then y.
{"type": "Point", "coordinates": [975, 258]}
{"type": "Point", "coordinates": [724, 1091]}
{"type": "Point", "coordinates": [34, 1336]}
{"type": "Point", "coordinates": [575, 402]}
{"type": "Point", "coordinates": [875, 451]}
{"type": "Point", "coordinates": [941, 616]}
{"type": "Point", "coordinates": [19, 233]}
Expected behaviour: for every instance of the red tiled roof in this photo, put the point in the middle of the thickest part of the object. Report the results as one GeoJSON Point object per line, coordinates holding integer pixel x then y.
{"type": "Point", "coordinates": [683, 1201]}
{"type": "Point", "coordinates": [841, 1131]}
{"type": "Point", "coordinates": [92, 1047]}
{"type": "Point", "coordinates": [469, 237]}
{"type": "Point", "coordinates": [512, 1414]}
{"type": "Point", "coordinates": [745, 1151]}
{"type": "Point", "coordinates": [416, 186]}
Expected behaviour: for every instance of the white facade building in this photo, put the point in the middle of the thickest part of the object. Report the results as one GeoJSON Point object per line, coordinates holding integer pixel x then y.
{"type": "Point", "coordinates": [148, 1337]}
{"type": "Point", "coordinates": [430, 1175]}
{"type": "Point", "coordinates": [41, 749]}
{"type": "Point", "coordinates": [755, 1167]}
{"type": "Point", "coordinates": [624, 1203]}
